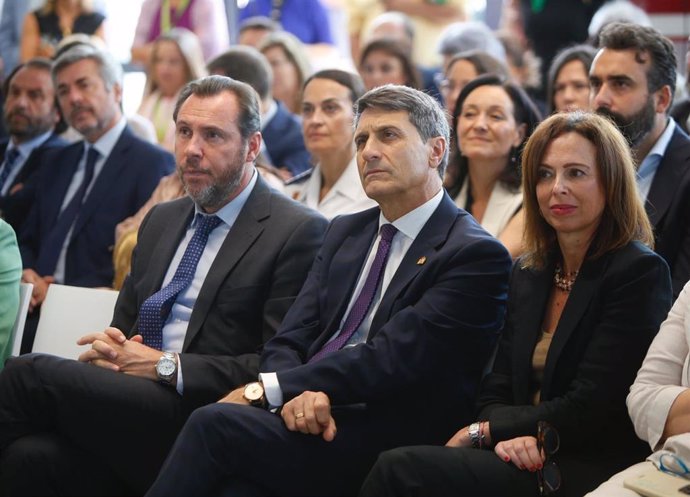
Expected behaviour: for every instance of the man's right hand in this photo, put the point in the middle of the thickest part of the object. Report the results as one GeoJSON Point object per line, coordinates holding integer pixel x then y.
{"type": "Point", "coordinates": [40, 284]}
{"type": "Point", "coordinates": [310, 413]}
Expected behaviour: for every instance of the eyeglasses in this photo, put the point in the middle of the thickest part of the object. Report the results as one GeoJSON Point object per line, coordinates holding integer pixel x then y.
{"type": "Point", "coordinates": [548, 442]}
{"type": "Point", "coordinates": [671, 463]}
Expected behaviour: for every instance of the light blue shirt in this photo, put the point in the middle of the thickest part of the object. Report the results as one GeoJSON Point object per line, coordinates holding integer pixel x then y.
{"type": "Point", "coordinates": [24, 150]}
{"type": "Point", "coordinates": [650, 164]}
{"type": "Point", "coordinates": [104, 145]}
{"type": "Point", "coordinates": [409, 227]}
{"type": "Point", "coordinates": [175, 327]}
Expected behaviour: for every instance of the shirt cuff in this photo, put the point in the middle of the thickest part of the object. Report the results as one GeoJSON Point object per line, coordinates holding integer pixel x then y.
{"type": "Point", "coordinates": [180, 383]}
{"type": "Point", "coordinates": [274, 395]}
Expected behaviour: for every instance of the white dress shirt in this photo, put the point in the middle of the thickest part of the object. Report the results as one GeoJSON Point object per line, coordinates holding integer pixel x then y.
{"type": "Point", "coordinates": [345, 197]}
{"type": "Point", "coordinates": [24, 150]}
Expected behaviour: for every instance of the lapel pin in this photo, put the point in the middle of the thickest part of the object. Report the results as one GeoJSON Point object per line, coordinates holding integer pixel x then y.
{"type": "Point", "coordinates": [421, 260]}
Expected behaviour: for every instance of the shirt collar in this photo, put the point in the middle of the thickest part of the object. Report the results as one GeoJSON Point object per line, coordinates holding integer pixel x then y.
{"type": "Point", "coordinates": [349, 184]}
{"type": "Point", "coordinates": [27, 147]}
{"type": "Point", "coordinates": [106, 143]}
{"type": "Point", "coordinates": [661, 144]}
{"type": "Point", "coordinates": [412, 223]}
{"type": "Point", "coordinates": [230, 211]}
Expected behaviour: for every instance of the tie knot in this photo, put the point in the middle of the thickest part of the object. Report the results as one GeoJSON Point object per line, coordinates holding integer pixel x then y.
{"type": "Point", "coordinates": [207, 224]}
{"type": "Point", "coordinates": [388, 231]}
{"type": "Point", "coordinates": [92, 155]}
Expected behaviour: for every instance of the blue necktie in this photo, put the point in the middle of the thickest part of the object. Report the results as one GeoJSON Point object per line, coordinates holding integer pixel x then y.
{"type": "Point", "coordinates": [366, 295]}
{"type": "Point", "coordinates": [155, 310]}
{"type": "Point", "coordinates": [52, 245]}
{"type": "Point", "coordinates": [10, 161]}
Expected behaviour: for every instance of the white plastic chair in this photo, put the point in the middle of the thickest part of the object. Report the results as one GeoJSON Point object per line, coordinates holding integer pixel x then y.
{"type": "Point", "coordinates": [25, 290]}
{"type": "Point", "coordinates": [68, 313]}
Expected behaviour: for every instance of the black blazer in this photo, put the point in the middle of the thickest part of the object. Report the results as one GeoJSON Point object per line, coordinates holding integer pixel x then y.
{"type": "Point", "coordinates": [253, 281]}
{"type": "Point", "coordinates": [15, 206]}
{"type": "Point", "coordinates": [428, 341]}
{"type": "Point", "coordinates": [613, 313]}
{"type": "Point", "coordinates": [668, 207]}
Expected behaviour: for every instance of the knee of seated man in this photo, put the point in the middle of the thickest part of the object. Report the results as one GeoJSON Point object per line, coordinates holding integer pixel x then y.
{"type": "Point", "coordinates": [27, 463]}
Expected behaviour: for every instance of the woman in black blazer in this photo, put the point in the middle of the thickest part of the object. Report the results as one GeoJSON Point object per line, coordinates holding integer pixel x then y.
{"type": "Point", "coordinates": [584, 305]}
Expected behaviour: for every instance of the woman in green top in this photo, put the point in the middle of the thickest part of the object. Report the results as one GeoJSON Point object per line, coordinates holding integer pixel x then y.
{"type": "Point", "coordinates": [10, 275]}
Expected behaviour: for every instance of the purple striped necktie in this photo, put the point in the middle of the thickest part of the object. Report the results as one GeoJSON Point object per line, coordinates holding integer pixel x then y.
{"type": "Point", "coordinates": [366, 295]}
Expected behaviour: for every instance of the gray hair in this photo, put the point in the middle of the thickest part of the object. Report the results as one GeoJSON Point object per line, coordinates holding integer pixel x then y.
{"type": "Point", "coordinates": [423, 111]}
{"type": "Point", "coordinates": [249, 120]}
{"type": "Point", "coordinates": [110, 70]}
{"type": "Point", "coordinates": [463, 36]}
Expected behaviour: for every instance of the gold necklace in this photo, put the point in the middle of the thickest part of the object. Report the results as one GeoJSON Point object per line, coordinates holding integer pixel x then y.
{"type": "Point", "coordinates": [564, 281]}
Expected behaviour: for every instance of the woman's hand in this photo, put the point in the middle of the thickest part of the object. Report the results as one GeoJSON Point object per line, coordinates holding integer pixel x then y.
{"type": "Point", "coordinates": [521, 451]}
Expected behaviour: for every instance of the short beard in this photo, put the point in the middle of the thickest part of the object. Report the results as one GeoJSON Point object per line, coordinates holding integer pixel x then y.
{"type": "Point", "coordinates": [215, 196]}
{"type": "Point", "coordinates": [634, 128]}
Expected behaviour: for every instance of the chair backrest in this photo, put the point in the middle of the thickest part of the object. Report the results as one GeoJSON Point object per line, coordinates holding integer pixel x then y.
{"type": "Point", "coordinates": [68, 313]}
{"type": "Point", "coordinates": [25, 290]}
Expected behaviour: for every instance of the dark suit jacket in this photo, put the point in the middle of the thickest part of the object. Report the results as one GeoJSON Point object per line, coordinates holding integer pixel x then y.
{"type": "Point", "coordinates": [668, 207]}
{"type": "Point", "coordinates": [253, 281]}
{"type": "Point", "coordinates": [611, 316]}
{"type": "Point", "coordinates": [15, 207]}
{"type": "Point", "coordinates": [429, 339]}
{"type": "Point", "coordinates": [125, 183]}
{"type": "Point", "coordinates": [285, 142]}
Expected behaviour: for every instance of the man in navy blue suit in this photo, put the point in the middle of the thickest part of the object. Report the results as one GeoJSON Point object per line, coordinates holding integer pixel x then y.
{"type": "Point", "coordinates": [90, 186]}
{"type": "Point", "coordinates": [31, 116]}
{"type": "Point", "coordinates": [386, 342]}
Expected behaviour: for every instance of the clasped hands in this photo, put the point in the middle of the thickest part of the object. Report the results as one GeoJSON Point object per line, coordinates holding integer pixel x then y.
{"type": "Point", "coordinates": [308, 413]}
{"type": "Point", "coordinates": [112, 350]}
{"type": "Point", "coordinates": [521, 451]}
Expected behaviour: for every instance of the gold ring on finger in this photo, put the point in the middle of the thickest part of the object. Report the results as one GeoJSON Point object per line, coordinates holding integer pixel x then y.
{"type": "Point", "coordinates": [299, 415]}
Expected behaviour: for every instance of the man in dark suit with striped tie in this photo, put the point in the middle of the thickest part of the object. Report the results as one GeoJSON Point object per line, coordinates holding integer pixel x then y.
{"type": "Point", "coordinates": [386, 342]}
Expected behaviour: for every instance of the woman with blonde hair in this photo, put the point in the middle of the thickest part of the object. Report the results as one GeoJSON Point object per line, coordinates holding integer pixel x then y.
{"type": "Point", "coordinates": [176, 59]}
{"type": "Point", "coordinates": [583, 306]}
{"type": "Point", "coordinates": [44, 28]}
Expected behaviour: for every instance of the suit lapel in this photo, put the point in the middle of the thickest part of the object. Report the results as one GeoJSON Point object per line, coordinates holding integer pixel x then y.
{"type": "Point", "coordinates": [59, 178]}
{"type": "Point", "coordinates": [433, 235]}
{"type": "Point", "coordinates": [345, 267]}
{"type": "Point", "coordinates": [668, 177]}
{"type": "Point", "coordinates": [247, 228]}
{"type": "Point", "coordinates": [107, 177]}
{"type": "Point", "coordinates": [533, 293]}
{"type": "Point", "coordinates": [580, 297]}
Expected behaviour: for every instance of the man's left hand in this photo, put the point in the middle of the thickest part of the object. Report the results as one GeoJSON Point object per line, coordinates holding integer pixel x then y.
{"type": "Point", "coordinates": [112, 350]}
{"type": "Point", "coordinates": [310, 413]}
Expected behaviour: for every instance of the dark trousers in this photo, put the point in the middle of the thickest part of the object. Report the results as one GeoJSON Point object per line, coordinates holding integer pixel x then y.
{"type": "Point", "coordinates": [71, 428]}
{"type": "Point", "coordinates": [446, 472]}
{"type": "Point", "coordinates": [228, 449]}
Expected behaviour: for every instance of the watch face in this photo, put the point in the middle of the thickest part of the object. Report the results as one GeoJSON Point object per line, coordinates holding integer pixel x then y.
{"type": "Point", "coordinates": [253, 391]}
{"type": "Point", "coordinates": [166, 367]}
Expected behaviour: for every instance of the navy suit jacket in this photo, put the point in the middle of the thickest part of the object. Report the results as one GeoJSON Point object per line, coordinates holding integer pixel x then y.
{"type": "Point", "coordinates": [125, 183]}
{"type": "Point", "coordinates": [285, 142]}
{"type": "Point", "coordinates": [15, 206]}
{"type": "Point", "coordinates": [429, 340]}
{"type": "Point", "coordinates": [668, 207]}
